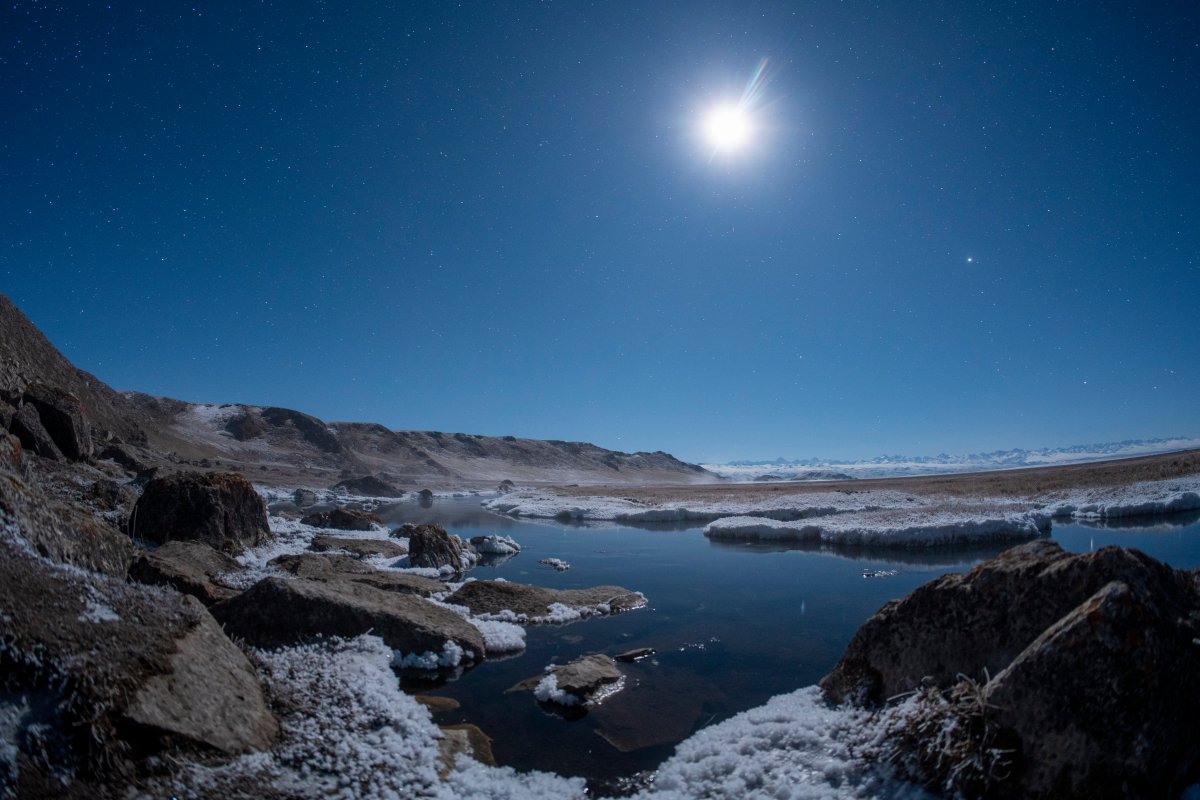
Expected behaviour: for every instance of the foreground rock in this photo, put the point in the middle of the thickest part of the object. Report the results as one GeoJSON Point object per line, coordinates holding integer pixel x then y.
{"type": "Point", "coordinates": [359, 547]}
{"type": "Point", "coordinates": [431, 546]}
{"type": "Point", "coordinates": [1080, 676]}
{"type": "Point", "coordinates": [343, 519]}
{"type": "Point", "coordinates": [98, 674]}
{"type": "Point", "coordinates": [217, 508]}
{"type": "Point", "coordinates": [525, 603]}
{"type": "Point", "coordinates": [335, 568]}
{"type": "Point", "coordinates": [584, 681]}
{"type": "Point", "coordinates": [63, 532]}
{"type": "Point", "coordinates": [277, 612]}
{"type": "Point", "coordinates": [192, 568]}
{"type": "Point", "coordinates": [27, 426]}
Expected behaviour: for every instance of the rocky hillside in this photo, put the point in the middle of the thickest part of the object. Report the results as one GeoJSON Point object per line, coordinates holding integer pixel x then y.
{"type": "Point", "coordinates": [282, 446]}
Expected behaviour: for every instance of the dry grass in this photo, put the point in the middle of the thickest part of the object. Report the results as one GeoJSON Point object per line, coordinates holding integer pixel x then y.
{"type": "Point", "coordinates": [1001, 483]}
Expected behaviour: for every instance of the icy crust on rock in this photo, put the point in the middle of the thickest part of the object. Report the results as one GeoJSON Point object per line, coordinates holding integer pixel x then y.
{"type": "Point", "coordinates": [351, 733]}
{"type": "Point", "coordinates": [547, 691]}
{"type": "Point", "coordinates": [787, 507]}
{"type": "Point", "coordinates": [495, 544]}
{"type": "Point", "coordinates": [1138, 499]}
{"type": "Point", "coordinates": [559, 613]}
{"type": "Point", "coordinates": [795, 746]}
{"type": "Point", "coordinates": [889, 528]}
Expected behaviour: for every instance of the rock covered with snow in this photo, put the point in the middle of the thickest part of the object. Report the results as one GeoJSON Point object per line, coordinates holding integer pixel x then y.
{"type": "Point", "coordinates": [220, 509]}
{"type": "Point", "coordinates": [495, 544]}
{"type": "Point", "coordinates": [890, 528]}
{"type": "Point", "coordinates": [989, 650]}
{"type": "Point", "coordinates": [586, 681]}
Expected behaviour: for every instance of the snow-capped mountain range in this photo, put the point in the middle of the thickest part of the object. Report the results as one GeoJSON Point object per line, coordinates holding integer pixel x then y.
{"type": "Point", "coordinates": [898, 465]}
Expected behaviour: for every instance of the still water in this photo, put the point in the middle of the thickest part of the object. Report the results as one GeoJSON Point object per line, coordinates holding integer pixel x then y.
{"type": "Point", "coordinates": [732, 624]}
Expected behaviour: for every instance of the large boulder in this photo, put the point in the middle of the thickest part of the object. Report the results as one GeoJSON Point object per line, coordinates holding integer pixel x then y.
{"type": "Point", "coordinates": [63, 532]}
{"type": "Point", "coordinates": [279, 611]}
{"type": "Point", "coordinates": [63, 418]}
{"type": "Point", "coordinates": [1042, 674]}
{"type": "Point", "coordinates": [190, 567]}
{"type": "Point", "coordinates": [533, 603]}
{"type": "Point", "coordinates": [431, 546]}
{"type": "Point", "coordinates": [335, 568]}
{"type": "Point", "coordinates": [976, 623]}
{"type": "Point", "coordinates": [343, 519]}
{"type": "Point", "coordinates": [99, 674]}
{"type": "Point", "coordinates": [219, 509]}
{"type": "Point", "coordinates": [27, 426]}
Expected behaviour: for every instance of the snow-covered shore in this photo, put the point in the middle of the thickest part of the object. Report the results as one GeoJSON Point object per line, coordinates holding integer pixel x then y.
{"type": "Point", "coordinates": [879, 517]}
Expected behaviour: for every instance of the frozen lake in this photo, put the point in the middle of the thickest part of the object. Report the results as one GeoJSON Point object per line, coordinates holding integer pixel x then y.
{"type": "Point", "coordinates": [732, 623]}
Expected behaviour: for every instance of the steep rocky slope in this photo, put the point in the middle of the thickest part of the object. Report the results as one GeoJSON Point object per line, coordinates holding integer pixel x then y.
{"type": "Point", "coordinates": [283, 446]}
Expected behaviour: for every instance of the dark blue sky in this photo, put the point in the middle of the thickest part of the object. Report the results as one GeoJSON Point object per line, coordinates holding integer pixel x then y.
{"type": "Point", "coordinates": [961, 226]}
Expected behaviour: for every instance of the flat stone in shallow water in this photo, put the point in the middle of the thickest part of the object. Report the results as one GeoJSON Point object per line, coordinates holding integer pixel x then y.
{"type": "Point", "coordinates": [533, 602]}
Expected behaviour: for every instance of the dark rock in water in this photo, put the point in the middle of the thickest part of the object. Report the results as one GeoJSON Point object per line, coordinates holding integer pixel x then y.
{"type": "Point", "coordinates": [190, 567]}
{"type": "Point", "coordinates": [27, 426]}
{"type": "Point", "coordinates": [632, 656]}
{"type": "Point", "coordinates": [506, 486]}
{"type": "Point", "coordinates": [1062, 675]}
{"type": "Point", "coordinates": [63, 418]}
{"type": "Point", "coordinates": [304, 497]}
{"type": "Point", "coordinates": [337, 568]}
{"type": "Point", "coordinates": [369, 486]}
{"type": "Point", "coordinates": [246, 425]}
{"type": "Point", "coordinates": [64, 532]}
{"type": "Point", "coordinates": [217, 508]}
{"type": "Point", "coordinates": [277, 612]}
{"type": "Point", "coordinates": [99, 674]}
{"type": "Point", "coordinates": [431, 546]}
{"type": "Point", "coordinates": [494, 597]}
{"type": "Point", "coordinates": [12, 454]}
{"type": "Point", "coordinates": [358, 547]}
{"type": "Point", "coordinates": [343, 519]}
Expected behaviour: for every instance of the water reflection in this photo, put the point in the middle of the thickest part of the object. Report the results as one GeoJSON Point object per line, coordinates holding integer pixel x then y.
{"type": "Point", "coordinates": [944, 556]}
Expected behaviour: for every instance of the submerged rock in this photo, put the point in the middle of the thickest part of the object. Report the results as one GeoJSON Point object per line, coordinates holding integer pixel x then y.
{"type": "Point", "coordinates": [218, 508]}
{"type": "Point", "coordinates": [1045, 674]}
{"type": "Point", "coordinates": [277, 612]}
{"type": "Point", "coordinates": [463, 739]}
{"type": "Point", "coordinates": [343, 519]}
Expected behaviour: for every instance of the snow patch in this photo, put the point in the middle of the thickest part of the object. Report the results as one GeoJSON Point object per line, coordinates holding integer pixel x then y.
{"type": "Point", "coordinates": [98, 612]}
{"type": "Point", "coordinates": [547, 691]}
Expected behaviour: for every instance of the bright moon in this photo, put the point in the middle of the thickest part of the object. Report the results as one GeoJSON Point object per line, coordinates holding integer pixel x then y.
{"type": "Point", "coordinates": [728, 128]}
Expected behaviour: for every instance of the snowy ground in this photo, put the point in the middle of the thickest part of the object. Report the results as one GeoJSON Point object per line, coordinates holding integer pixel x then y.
{"type": "Point", "coordinates": [357, 735]}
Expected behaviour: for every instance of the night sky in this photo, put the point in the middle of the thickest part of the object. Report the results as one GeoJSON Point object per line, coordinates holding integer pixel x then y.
{"type": "Point", "coordinates": [954, 227]}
